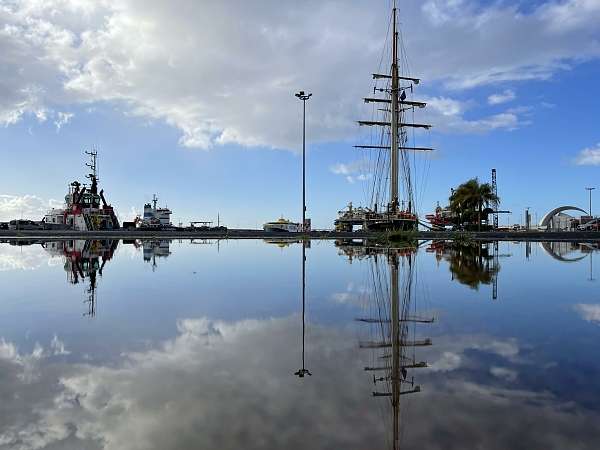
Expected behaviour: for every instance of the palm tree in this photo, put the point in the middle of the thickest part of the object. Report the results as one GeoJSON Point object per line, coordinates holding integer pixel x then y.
{"type": "Point", "coordinates": [469, 198]}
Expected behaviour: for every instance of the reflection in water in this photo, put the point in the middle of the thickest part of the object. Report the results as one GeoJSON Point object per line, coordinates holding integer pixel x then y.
{"type": "Point", "coordinates": [392, 323]}
{"type": "Point", "coordinates": [217, 381]}
{"type": "Point", "coordinates": [303, 371]}
{"type": "Point", "coordinates": [152, 249]}
{"type": "Point", "coordinates": [365, 248]}
{"type": "Point", "coordinates": [285, 242]}
{"type": "Point", "coordinates": [563, 251]}
{"type": "Point", "coordinates": [84, 259]}
{"type": "Point", "coordinates": [570, 252]}
{"type": "Point", "coordinates": [472, 263]}
{"type": "Point", "coordinates": [156, 249]}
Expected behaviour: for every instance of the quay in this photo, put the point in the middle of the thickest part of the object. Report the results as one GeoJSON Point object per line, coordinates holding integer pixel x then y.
{"type": "Point", "coordinates": [539, 236]}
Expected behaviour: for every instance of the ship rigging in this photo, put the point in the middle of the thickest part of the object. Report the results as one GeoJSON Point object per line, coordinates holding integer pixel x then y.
{"type": "Point", "coordinates": [392, 163]}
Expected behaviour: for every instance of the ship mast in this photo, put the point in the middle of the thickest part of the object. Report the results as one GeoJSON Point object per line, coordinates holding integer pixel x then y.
{"type": "Point", "coordinates": [393, 206]}
{"type": "Point", "coordinates": [94, 175]}
{"type": "Point", "coordinates": [399, 215]}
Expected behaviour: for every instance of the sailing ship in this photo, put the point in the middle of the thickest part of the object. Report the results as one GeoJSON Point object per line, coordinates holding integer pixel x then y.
{"type": "Point", "coordinates": [392, 107]}
{"type": "Point", "coordinates": [85, 209]}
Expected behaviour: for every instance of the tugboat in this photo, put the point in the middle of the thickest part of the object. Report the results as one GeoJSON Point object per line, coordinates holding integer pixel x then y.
{"type": "Point", "coordinates": [389, 151]}
{"type": "Point", "coordinates": [85, 208]}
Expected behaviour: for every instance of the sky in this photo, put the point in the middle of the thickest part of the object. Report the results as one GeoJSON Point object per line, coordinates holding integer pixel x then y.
{"type": "Point", "coordinates": [194, 101]}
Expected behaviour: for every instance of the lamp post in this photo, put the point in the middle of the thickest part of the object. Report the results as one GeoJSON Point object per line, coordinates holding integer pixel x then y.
{"type": "Point", "coordinates": [590, 189]}
{"type": "Point", "coordinates": [303, 96]}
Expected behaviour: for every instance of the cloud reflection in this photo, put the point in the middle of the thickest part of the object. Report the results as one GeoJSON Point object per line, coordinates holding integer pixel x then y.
{"type": "Point", "coordinates": [25, 257]}
{"type": "Point", "coordinates": [230, 385]}
{"type": "Point", "coordinates": [589, 312]}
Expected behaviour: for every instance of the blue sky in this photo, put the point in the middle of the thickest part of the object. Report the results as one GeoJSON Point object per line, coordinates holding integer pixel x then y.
{"type": "Point", "coordinates": [195, 103]}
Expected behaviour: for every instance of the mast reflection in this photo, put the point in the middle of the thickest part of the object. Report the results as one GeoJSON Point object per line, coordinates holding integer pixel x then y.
{"type": "Point", "coordinates": [393, 324]}
{"type": "Point", "coordinates": [84, 260]}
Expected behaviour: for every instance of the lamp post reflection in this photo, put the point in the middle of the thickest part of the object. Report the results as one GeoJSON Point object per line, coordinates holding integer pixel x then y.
{"type": "Point", "coordinates": [303, 371]}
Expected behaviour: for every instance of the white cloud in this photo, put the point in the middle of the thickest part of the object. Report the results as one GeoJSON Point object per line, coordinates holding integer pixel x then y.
{"type": "Point", "coordinates": [352, 172]}
{"type": "Point", "coordinates": [589, 312]}
{"type": "Point", "coordinates": [502, 97]}
{"type": "Point", "coordinates": [229, 78]}
{"type": "Point", "coordinates": [491, 40]}
{"type": "Point", "coordinates": [589, 156]}
{"type": "Point", "coordinates": [62, 119]}
{"type": "Point", "coordinates": [26, 206]}
{"type": "Point", "coordinates": [448, 115]}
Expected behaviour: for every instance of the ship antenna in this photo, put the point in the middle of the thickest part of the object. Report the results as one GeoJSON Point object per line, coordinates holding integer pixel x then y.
{"type": "Point", "coordinates": [92, 165]}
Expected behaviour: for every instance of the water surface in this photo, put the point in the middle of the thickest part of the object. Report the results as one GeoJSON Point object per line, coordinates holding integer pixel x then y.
{"type": "Point", "coordinates": [177, 345]}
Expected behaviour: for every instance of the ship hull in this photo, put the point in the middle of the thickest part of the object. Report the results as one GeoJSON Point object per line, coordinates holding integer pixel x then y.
{"type": "Point", "coordinates": [377, 222]}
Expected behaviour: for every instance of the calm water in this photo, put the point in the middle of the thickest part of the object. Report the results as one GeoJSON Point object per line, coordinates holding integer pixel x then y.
{"type": "Point", "coordinates": [185, 345]}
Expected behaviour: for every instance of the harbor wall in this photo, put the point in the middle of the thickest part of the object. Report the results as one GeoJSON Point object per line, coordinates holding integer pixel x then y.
{"type": "Point", "coordinates": [260, 234]}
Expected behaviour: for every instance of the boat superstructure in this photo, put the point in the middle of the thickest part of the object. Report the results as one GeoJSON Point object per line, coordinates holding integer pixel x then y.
{"type": "Point", "coordinates": [282, 225]}
{"type": "Point", "coordinates": [392, 197]}
{"type": "Point", "coordinates": [156, 217]}
{"type": "Point", "coordinates": [85, 207]}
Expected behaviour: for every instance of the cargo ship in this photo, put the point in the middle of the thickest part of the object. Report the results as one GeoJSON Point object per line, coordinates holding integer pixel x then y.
{"type": "Point", "coordinates": [155, 217]}
{"type": "Point", "coordinates": [85, 208]}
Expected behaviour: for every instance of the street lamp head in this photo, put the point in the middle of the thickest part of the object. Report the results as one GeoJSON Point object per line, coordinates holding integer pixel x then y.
{"type": "Point", "coordinates": [303, 96]}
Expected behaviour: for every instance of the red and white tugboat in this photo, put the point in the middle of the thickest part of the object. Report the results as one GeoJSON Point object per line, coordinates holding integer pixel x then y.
{"type": "Point", "coordinates": [85, 208]}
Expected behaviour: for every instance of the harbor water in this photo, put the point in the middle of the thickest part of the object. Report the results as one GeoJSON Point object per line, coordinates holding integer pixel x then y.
{"type": "Point", "coordinates": [210, 344]}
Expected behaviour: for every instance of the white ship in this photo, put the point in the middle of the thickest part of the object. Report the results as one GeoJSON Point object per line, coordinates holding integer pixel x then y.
{"type": "Point", "coordinates": [156, 217]}
{"type": "Point", "coordinates": [282, 225]}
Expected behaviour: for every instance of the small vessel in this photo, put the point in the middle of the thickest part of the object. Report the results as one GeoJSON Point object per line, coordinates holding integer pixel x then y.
{"type": "Point", "coordinates": [85, 208]}
{"type": "Point", "coordinates": [156, 217]}
{"type": "Point", "coordinates": [442, 218]}
{"type": "Point", "coordinates": [282, 225]}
